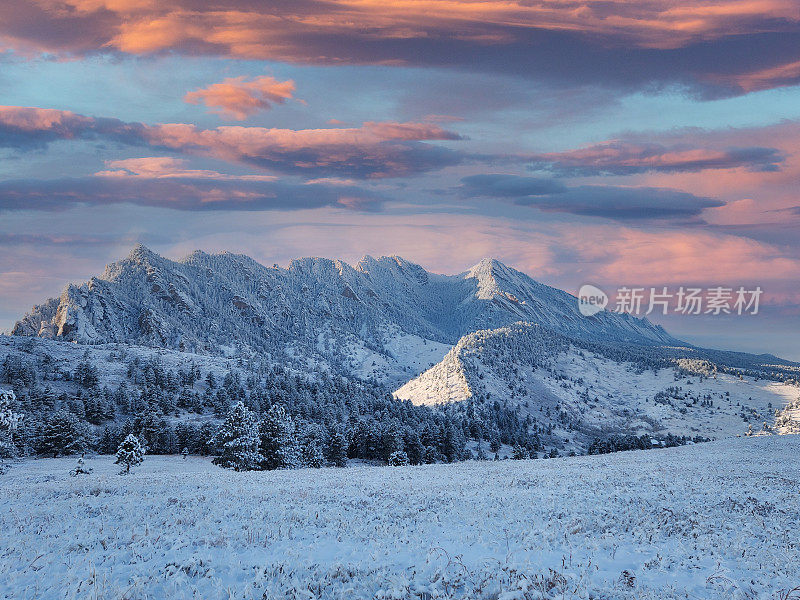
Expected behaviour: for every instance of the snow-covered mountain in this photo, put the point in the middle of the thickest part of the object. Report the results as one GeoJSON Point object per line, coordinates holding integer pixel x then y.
{"type": "Point", "coordinates": [574, 391]}
{"type": "Point", "coordinates": [489, 343]}
{"type": "Point", "coordinates": [386, 318]}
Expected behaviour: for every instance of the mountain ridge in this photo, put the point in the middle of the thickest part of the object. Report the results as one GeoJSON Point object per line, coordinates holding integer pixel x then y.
{"type": "Point", "coordinates": [322, 308]}
{"type": "Point", "coordinates": [490, 342]}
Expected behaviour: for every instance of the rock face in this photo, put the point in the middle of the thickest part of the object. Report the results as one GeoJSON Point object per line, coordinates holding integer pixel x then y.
{"type": "Point", "coordinates": [317, 309]}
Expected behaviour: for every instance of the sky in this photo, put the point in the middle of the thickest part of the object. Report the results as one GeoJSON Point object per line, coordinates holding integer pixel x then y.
{"type": "Point", "coordinates": [651, 143]}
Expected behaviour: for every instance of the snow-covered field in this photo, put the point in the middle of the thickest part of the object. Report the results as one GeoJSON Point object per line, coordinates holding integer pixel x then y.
{"type": "Point", "coordinates": [717, 520]}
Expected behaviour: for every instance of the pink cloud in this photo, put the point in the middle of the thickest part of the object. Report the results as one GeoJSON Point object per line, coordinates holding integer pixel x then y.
{"type": "Point", "coordinates": [445, 32]}
{"type": "Point", "coordinates": [753, 170]}
{"type": "Point", "coordinates": [37, 119]}
{"type": "Point", "coordinates": [625, 157]}
{"type": "Point", "coordinates": [762, 79]}
{"type": "Point", "coordinates": [237, 98]}
{"type": "Point", "coordinates": [626, 256]}
{"type": "Point", "coordinates": [771, 190]}
{"type": "Point", "coordinates": [374, 150]}
{"type": "Point", "coordinates": [158, 167]}
{"type": "Point", "coordinates": [266, 31]}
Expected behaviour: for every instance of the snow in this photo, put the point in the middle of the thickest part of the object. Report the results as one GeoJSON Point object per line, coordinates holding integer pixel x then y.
{"type": "Point", "coordinates": [386, 311]}
{"type": "Point", "coordinates": [109, 359]}
{"type": "Point", "coordinates": [598, 395]}
{"type": "Point", "coordinates": [713, 521]}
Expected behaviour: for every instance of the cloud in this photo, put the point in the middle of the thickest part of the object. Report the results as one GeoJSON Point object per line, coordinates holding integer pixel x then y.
{"type": "Point", "coordinates": [629, 256]}
{"type": "Point", "coordinates": [55, 240]}
{"type": "Point", "coordinates": [621, 157]}
{"type": "Point", "coordinates": [715, 47]}
{"type": "Point", "coordinates": [374, 150]}
{"type": "Point", "coordinates": [26, 128]}
{"type": "Point", "coordinates": [237, 98]}
{"type": "Point", "coordinates": [158, 167]}
{"type": "Point", "coordinates": [767, 186]}
{"type": "Point", "coordinates": [180, 193]}
{"type": "Point", "coordinates": [762, 79]}
{"type": "Point", "coordinates": [624, 203]}
{"type": "Point", "coordinates": [497, 185]}
{"type": "Point", "coordinates": [610, 202]}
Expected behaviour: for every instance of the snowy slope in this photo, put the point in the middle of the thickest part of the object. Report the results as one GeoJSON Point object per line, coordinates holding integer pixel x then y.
{"type": "Point", "coordinates": [381, 311]}
{"type": "Point", "coordinates": [708, 522]}
{"type": "Point", "coordinates": [578, 394]}
{"type": "Point", "coordinates": [110, 360]}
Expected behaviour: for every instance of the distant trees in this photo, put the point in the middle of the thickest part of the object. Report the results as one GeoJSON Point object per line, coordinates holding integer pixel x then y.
{"type": "Point", "coordinates": [618, 443]}
{"type": "Point", "coordinates": [307, 422]}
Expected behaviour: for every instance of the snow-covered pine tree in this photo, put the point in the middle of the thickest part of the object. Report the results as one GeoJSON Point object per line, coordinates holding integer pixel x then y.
{"type": "Point", "coordinates": [398, 459]}
{"type": "Point", "coordinates": [311, 454]}
{"type": "Point", "coordinates": [238, 441]}
{"type": "Point", "coordinates": [519, 452]}
{"type": "Point", "coordinates": [63, 433]}
{"type": "Point", "coordinates": [279, 446]}
{"type": "Point", "coordinates": [9, 421]}
{"type": "Point", "coordinates": [414, 447]}
{"type": "Point", "coordinates": [130, 453]}
{"type": "Point", "coordinates": [337, 448]}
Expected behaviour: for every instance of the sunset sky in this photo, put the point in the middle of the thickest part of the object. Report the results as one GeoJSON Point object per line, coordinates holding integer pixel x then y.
{"type": "Point", "coordinates": [622, 142]}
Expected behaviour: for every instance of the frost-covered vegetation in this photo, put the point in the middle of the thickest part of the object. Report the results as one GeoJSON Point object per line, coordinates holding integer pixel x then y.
{"type": "Point", "coordinates": [521, 390]}
{"type": "Point", "coordinates": [90, 398]}
{"type": "Point", "coordinates": [714, 521]}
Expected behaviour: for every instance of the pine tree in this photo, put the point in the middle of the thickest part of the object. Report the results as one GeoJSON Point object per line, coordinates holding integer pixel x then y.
{"type": "Point", "coordinates": [86, 372]}
{"type": "Point", "coordinates": [312, 443]}
{"type": "Point", "coordinates": [481, 455]}
{"type": "Point", "coordinates": [130, 453]}
{"type": "Point", "coordinates": [519, 452]}
{"type": "Point", "coordinates": [398, 459]}
{"type": "Point", "coordinates": [414, 447]}
{"type": "Point", "coordinates": [9, 422]}
{"type": "Point", "coordinates": [312, 454]}
{"type": "Point", "coordinates": [63, 433]}
{"type": "Point", "coordinates": [109, 440]}
{"type": "Point", "coordinates": [337, 448]}
{"type": "Point", "coordinates": [279, 446]}
{"type": "Point", "coordinates": [238, 441]}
